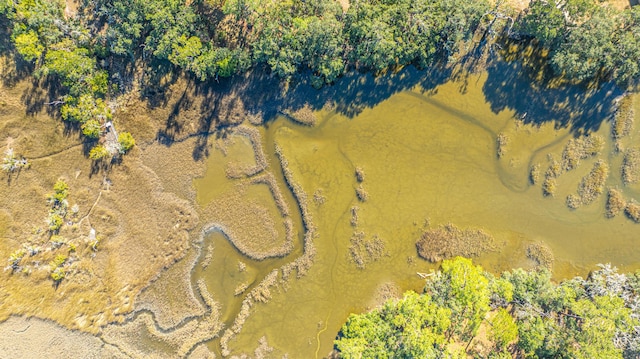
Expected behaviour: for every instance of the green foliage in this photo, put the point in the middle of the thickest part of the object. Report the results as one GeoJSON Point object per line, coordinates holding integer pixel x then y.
{"type": "Point", "coordinates": [16, 257]}
{"type": "Point", "coordinates": [91, 128]}
{"type": "Point", "coordinates": [412, 327]}
{"type": "Point", "coordinates": [126, 142]}
{"type": "Point", "coordinates": [58, 274]}
{"type": "Point", "coordinates": [503, 328]}
{"type": "Point", "coordinates": [464, 289]}
{"type": "Point", "coordinates": [61, 191]}
{"type": "Point", "coordinates": [28, 45]}
{"type": "Point", "coordinates": [593, 318]}
{"type": "Point", "coordinates": [98, 153]}
{"type": "Point", "coordinates": [55, 221]}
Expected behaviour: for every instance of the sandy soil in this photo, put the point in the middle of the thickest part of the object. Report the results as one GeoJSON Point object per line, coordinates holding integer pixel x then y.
{"type": "Point", "coordinates": [22, 338]}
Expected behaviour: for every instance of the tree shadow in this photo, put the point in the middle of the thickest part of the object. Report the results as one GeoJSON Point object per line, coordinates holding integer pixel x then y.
{"type": "Point", "coordinates": [509, 86]}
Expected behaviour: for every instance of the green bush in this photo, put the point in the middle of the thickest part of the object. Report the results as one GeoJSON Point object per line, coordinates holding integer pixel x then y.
{"type": "Point", "coordinates": [126, 142]}
{"type": "Point", "coordinates": [98, 152]}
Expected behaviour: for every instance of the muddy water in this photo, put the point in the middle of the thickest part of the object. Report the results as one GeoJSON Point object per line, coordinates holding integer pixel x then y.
{"type": "Point", "coordinates": [429, 159]}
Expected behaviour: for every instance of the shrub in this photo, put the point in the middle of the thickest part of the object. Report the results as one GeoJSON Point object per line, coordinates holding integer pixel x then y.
{"type": "Point", "coordinates": [98, 152]}
{"type": "Point", "coordinates": [126, 142]}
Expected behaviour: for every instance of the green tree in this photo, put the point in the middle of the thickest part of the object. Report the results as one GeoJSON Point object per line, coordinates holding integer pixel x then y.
{"type": "Point", "coordinates": [98, 152]}
{"type": "Point", "coordinates": [126, 142]}
{"type": "Point", "coordinates": [412, 327]}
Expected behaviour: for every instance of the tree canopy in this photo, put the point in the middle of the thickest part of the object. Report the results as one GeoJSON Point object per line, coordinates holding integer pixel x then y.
{"type": "Point", "coordinates": [525, 313]}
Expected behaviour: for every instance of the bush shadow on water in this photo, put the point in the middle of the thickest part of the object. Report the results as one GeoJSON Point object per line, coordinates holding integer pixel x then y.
{"type": "Point", "coordinates": [580, 108]}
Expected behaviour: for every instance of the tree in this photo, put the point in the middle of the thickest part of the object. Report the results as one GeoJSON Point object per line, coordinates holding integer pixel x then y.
{"type": "Point", "coordinates": [412, 327]}
{"type": "Point", "coordinates": [126, 142]}
{"type": "Point", "coordinates": [464, 289]}
{"type": "Point", "coordinates": [98, 153]}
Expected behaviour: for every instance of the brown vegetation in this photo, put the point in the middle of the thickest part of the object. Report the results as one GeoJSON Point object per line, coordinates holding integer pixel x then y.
{"type": "Point", "coordinates": [363, 251]}
{"type": "Point", "coordinates": [541, 255]}
{"type": "Point", "coordinates": [622, 121]}
{"type": "Point", "coordinates": [550, 178]}
{"type": "Point", "coordinates": [360, 174]}
{"type": "Point", "coordinates": [615, 203]}
{"type": "Point", "coordinates": [354, 216]}
{"type": "Point", "coordinates": [534, 174]}
{"type": "Point", "coordinates": [253, 134]}
{"type": "Point", "coordinates": [449, 241]}
{"type": "Point", "coordinates": [579, 149]}
{"type": "Point", "coordinates": [501, 144]}
{"type": "Point", "coordinates": [591, 186]}
{"type": "Point", "coordinates": [362, 193]}
{"type": "Point", "coordinates": [632, 210]}
{"type": "Point", "coordinates": [304, 116]}
{"type": "Point", "coordinates": [631, 166]}
{"type": "Point", "coordinates": [270, 180]}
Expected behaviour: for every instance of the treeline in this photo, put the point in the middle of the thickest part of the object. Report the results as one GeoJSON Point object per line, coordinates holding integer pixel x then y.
{"type": "Point", "coordinates": [213, 39]}
{"type": "Point", "coordinates": [467, 311]}
{"type": "Point", "coordinates": [90, 51]}
{"type": "Point", "coordinates": [219, 38]}
{"type": "Point", "coordinates": [586, 39]}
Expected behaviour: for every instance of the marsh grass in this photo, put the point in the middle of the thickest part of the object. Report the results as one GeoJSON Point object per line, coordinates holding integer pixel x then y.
{"type": "Point", "coordinates": [622, 121]}
{"type": "Point", "coordinates": [360, 175]}
{"type": "Point", "coordinates": [631, 166]}
{"type": "Point", "coordinates": [502, 141]}
{"type": "Point", "coordinates": [304, 116]}
{"type": "Point", "coordinates": [615, 203]}
{"type": "Point", "coordinates": [238, 171]}
{"type": "Point", "coordinates": [541, 255]}
{"type": "Point", "coordinates": [632, 210]}
{"type": "Point", "coordinates": [534, 174]}
{"type": "Point", "coordinates": [449, 241]}
{"type": "Point", "coordinates": [363, 251]}
{"type": "Point", "coordinates": [591, 186]}
{"type": "Point", "coordinates": [354, 216]}
{"type": "Point", "coordinates": [270, 180]}
{"type": "Point", "coordinates": [578, 149]}
{"type": "Point", "coordinates": [550, 177]}
{"type": "Point", "coordinates": [362, 193]}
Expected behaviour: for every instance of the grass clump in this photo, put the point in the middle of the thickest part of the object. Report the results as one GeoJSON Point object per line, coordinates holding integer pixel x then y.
{"type": "Point", "coordinates": [363, 251]}
{"type": "Point", "coordinates": [615, 203]}
{"type": "Point", "coordinates": [550, 176]}
{"type": "Point", "coordinates": [354, 216]}
{"type": "Point", "coordinates": [360, 174]}
{"type": "Point", "coordinates": [449, 241]}
{"type": "Point", "coordinates": [501, 143]}
{"type": "Point", "coordinates": [631, 166]}
{"type": "Point", "coordinates": [579, 149]}
{"type": "Point", "coordinates": [362, 194]}
{"type": "Point", "coordinates": [541, 255]}
{"type": "Point", "coordinates": [623, 120]}
{"type": "Point", "coordinates": [318, 197]}
{"type": "Point", "coordinates": [534, 174]}
{"type": "Point", "coordinates": [632, 210]}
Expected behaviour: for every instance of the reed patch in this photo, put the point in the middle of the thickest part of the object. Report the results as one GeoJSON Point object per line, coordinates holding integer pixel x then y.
{"type": "Point", "coordinates": [449, 241]}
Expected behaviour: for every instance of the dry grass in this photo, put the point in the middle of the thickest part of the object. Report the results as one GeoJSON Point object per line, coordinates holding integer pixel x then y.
{"type": "Point", "coordinates": [304, 116]}
{"type": "Point", "coordinates": [318, 197]}
{"type": "Point", "coordinates": [362, 193]}
{"type": "Point", "coordinates": [534, 174]}
{"type": "Point", "coordinates": [501, 144]}
{"type": "Point", "coordinates": [591, 186]}
{"type": "Point", "coordinates": [363, 251]}
{"type": "Point", "coordinates": [270, 180]}
{"type": "Point", "coordinates": [541, 254]}
{"type": "Point", "coordinates": [579, 149]}
{"type": "Point", "coordinates": [623, 120]}
{"type": "Point", "coordinates": [249, 226]}
{"type": "Point", "coordinates": [354, 216]}
{"type": "Point", "coordinates": [449, 241]}
{"type": "Point", "coordinates": [615, 203]}
{"type": "Point", "coordinates": [301, 264]}
{"type": "Point", "coordinates": [632, 210]}
{"type": "Point", "coordinates": [631, 166]}
{"type": "Point", "coordinates": [360, 176]}
{"type": "Point", "coordinates": [141, 338]}
{"type": "Point", "coordinates": [550, 178]}
{"type": "Point", "coordinates": [253, 134]}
